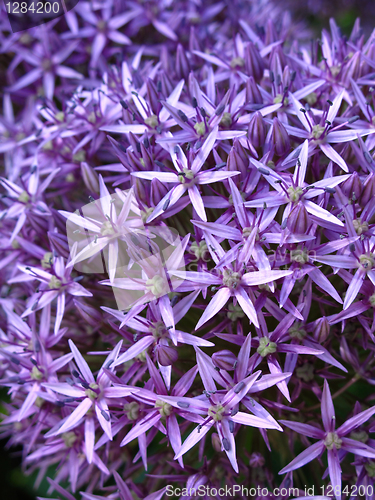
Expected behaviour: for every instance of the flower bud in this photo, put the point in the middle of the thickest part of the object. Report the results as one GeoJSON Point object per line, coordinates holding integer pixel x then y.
{"type": "Point", "coordinates": [235, 161]}
{"type": "Point", "coordinates": [139, 188]}
{"type": "Point", "coordinates": [352, 69]}
{"type": "Point", "coordinates": [166, 85]}
{"type": "Point", "coordinates": [257, 130]}
{"type": "Point", "coordinates": [88, 313]}
{"type": "Point", "coordinates": [153, 98]}
{"type": "Point", "coordinates": [280, 138]}
{"type": "Point", "coordinates": [253, 95]}
{"type": "Point", "coordinates": [216, 444]}
{"type": "Point", "coordinates": [59, 243]}
{"type": "Point", "coordinates": [90, 178]}
{"type": "Point", "coordinates": [182, 63]}
{"type": "Point", "coordinates": [253, 61]}
{"type": "Point", "coordinates": [224, 359]}
{"type": "Point", "coordinates": [166, 355]}
{"type": "Point", "coordinates": [196, 480]}
{"type": "Point", "coordinates": [352, 185]}
{"type": "Point", "coordinates": [368, 191]}
{"type": "Point", "coordinates": [271, 33]}
{"type": "Point", "coordinates": [158, 191]}
{"type": "Point", "coordinates": [298, 220]}
{"type": "Point", "coordinates": [321, 329]}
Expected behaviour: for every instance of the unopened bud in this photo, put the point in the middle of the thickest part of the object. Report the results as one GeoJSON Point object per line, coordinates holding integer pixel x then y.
{"type": "Point", "coordinates": [59, 243]}
{"type": "Point", "coordinates": [352, 185]}
{"type": "Point", "coordinates": [253, 95]}
{"type": "Point", "coordinates": [253, 61]}
{"type": "Point", "coordinates": [368, 191]}
{"type": "Point", "coordinates": [90, 178]}
{"type": "Point", "coordinates": [257, 130]}
{"type": "Point", "coordinates": [88, 313]}
{"type": "Point", "coordinates": [225, 360]}
{"type": "Point", "coordinates": [298, 220]}
{"type": "Point", "coordinates": [153, 98]}
{"type": "Point", "coordinates": [182, 63]}
{"type": "Point", "coordinates": [280, 138]}
{"type": "Point", "coordinates": [321, 329]}
{"type": "Point", "coordinates": [166, 355]}
{"type": "Point", "coordinates": [216, 444]}
{"type": "Point", "coordinates": [158, 191]}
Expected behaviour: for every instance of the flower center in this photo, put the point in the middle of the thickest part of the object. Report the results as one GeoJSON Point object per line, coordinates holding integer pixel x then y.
{"type": "Point", "coordinates": [36, 374]}
{"type": "Point", "coordinates": [102, 25]}
{"type": "Point", "coordinates": [297, 333]}
{"type": "Point", "coordinates": [299, 256]}
{"type": "Point", "coordinates": [372, 300]}
{"type": "Point", "coordinates": [361, 436]}
{"type": "Point", "coordinates": [317, 131]}
{"type": "Point", "coordinates": [200, 128]}
{"type": "Point", "coordinates": [216, 412]}
{"type": "Point", "coordinates": [279, 98]}
{"type": "Point", "coordinates": [47, 64]}
{"type": "Point", "coordinates": [152, 121]}
{"type": "Point", "coordinates": [237, 62]}
{"type": "Point", "coordinates": [156, 285]}
{"type": "Point", "coordinates": [266, 347]}
{"type": "Point", "coordinates": [294, 193]}
{"type": "Point", "coordinates": [165, 409]}
{"type": "Point", "coordinates": [370, 469]}
{"type": "Point", "coordinates": [367, 261]}
{"type": "Point", "coordinates": [235, 312]}
{"type": "Point", "coordinates": [107, 228]}
{"type": "Point", "coordinates": [54, 283]}
{"type": "Point", "coordinates": [226, 120]}
{"type": "Point", "coordinates": [92, 392]}
{"type": "Point", "coordinates": [69, 438]}
{"type": "Point", "coordinates": [158, 330]}
{"type": "Point", "coordinates": [360, 227]}
{"type": "Point", "coordinates": [311, 98]}
{"type": "Point", "coordinates": [185, 176]}
{"type": "Point", "coordinates": [305, 372]}
{"type": "Point", "coordinates": [24, 197]}
{"type": "Point", "coordinates": [332, 441]}
{"type": "Point", "coordinates": [199, 250]}
{"type": "Point", "coordinates": [230, 278]}
{"type": "Point", "coordinates": [132, 410]}
{"type": "Point", "coordinates": [47, 260]}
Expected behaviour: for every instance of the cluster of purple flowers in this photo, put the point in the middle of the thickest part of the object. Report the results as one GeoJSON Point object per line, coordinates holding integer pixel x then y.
{"type": "Point", "coordinates": [256, 147]}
